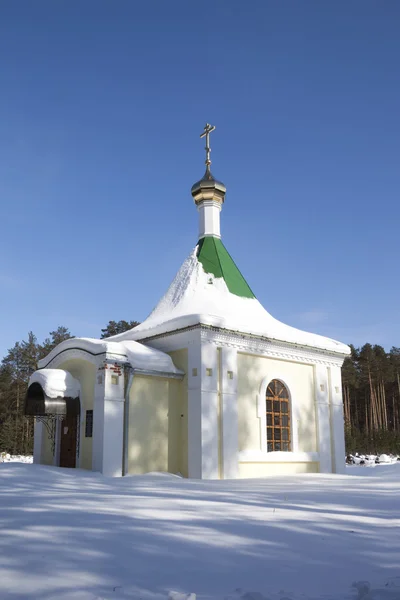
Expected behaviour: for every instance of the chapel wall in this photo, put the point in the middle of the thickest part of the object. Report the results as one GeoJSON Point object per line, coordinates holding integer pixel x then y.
{"type": "Point", "coordinates": [299, 379]}
{"type": "Point", "coordinates": [148, 425]}
{"type": "Point", "coordinates": [85, 372]}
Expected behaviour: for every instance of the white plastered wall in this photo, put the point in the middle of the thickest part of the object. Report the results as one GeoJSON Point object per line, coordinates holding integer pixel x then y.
{"type": "Point", "coordinates": [254, 374]}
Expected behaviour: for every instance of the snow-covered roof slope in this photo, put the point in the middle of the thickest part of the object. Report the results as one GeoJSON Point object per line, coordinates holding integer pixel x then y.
{"type": "Point", "coordinates": [56, 383]}
{"type": "Point", "coordinates": [137, 355]}
{"type": "Point", "coordinates": [210, 289]}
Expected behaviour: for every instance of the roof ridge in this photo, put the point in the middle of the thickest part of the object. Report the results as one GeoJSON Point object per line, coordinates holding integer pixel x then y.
{"type": "Point", "coordinates": [219, 260]}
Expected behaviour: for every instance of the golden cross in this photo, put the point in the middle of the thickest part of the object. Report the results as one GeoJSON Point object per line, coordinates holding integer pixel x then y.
{"type": "Point", "coordinates": [206, 133]}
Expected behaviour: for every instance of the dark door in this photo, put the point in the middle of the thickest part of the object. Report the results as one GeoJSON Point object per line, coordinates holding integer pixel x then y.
{"type": "Point", "coordinates": [68, 442]}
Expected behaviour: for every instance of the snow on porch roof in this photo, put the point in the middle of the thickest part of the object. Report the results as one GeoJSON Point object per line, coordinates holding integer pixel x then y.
{"type": "Point", "coordinates": [139, 356]}
{"type": "Point", "coordinates": [56, 383]}
{"type": "Point", "coordinates": [52, 392]}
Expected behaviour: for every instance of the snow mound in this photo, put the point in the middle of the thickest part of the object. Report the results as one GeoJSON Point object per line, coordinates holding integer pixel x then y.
{"type": "Point", "coordinates": [139, 356]}
{"type": "Point", "coordinates": [180, 596]}
{"type": "Point", "coordinates": [371, 460]}
{"type": "Point", "coordinates": [5, 457]}
{"type": "Point", "coordinates": [56, 383]}
{"type": "Point", "coordinates": [195, 297]}
{"type": "Point", "coordinates": [385, 458]}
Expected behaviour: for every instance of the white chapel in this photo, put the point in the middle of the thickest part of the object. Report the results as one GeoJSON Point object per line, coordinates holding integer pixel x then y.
{"type": "Point", "coordinates": [209, 386]}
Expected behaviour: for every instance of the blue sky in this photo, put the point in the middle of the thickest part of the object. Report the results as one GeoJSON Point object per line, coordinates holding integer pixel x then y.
{"type": "Point", "coordinates": [102, 104]}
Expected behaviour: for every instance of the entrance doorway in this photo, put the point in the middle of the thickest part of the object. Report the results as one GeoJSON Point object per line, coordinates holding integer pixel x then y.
{"type": "Point", "coordinates": [68, 435]}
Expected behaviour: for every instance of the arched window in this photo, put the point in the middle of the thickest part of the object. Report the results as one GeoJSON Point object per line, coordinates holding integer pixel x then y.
{"type": "Point", "coordinates": [278, 417]}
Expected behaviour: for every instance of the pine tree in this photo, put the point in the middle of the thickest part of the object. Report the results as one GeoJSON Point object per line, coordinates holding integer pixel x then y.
{"type": "Point", "coordinates": [115, 327]}
{"type": "Point", "coordinates": [59, 335]}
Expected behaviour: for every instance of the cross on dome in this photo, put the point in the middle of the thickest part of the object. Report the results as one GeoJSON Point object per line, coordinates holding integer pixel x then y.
{"type": "Point", "coordinates": [208, 194]}
{"type": "Point", "coordinates": [206, 133]}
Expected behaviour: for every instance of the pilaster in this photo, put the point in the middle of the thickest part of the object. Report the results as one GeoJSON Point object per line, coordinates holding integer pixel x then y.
{"type": "Point", "coordinates": [203, 429]}
{"type": "Point", "coordinates": [337, 421]}
{"type": "Point", "coordinates": [323, 418]}
{"type": "Point", "coordinates": [229, 414]}
{"type": "Point", "coordinates": [108, 420]}
{"type": "Point", "coordinates": [37, 441]}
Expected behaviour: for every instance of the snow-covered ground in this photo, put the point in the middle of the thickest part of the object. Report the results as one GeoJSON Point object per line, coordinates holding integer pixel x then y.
{"type": "Point", "coordinates": [70, 534]}
{"type": "Point", "coordinates": [5, 457]}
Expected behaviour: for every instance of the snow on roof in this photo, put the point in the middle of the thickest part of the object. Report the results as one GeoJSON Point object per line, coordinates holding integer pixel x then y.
{"type": "Point", "coordinates": [56, 383]}
{"type": "Point", "coordinates": [209, 289]}
{"type": "Point", "coordinates": [137, 355]}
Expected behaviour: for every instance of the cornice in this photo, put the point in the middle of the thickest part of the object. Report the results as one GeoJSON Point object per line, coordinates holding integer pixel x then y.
{"type": "Point", "coordinates": [105, 360]}
{"type": "Point", "coordinates": [251, 344]}
{"type": "Point", "coordinates": [77, 353]}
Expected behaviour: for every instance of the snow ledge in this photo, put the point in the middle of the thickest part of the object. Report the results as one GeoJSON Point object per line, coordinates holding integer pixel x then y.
{"type": "Point", "coordinates": [277, 457]}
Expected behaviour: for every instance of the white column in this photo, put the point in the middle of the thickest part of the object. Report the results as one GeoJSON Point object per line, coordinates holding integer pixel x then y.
{"type": "Point", "coordinates": [108, 421]}
{"type": "Point", "coordinates": [209, 218]}
{"type": "Point", "coordinates": [229, 413]}
{"type": "Point", "coordinates": [337, 421]}
{"type": "Point", "coordinates": [203, 459]}
{"type": "Point", "coordinates": [37, 441]}
{"type": "Point", "coordinates": [323, 418]}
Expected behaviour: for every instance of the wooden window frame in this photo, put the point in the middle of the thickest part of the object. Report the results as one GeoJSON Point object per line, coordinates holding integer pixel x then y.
{"type": "Point", "coordinates": [277, 408]}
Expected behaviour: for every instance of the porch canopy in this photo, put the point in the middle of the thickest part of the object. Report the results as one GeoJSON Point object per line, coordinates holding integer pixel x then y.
{"type": "Point", "coordinates": [52, 392]}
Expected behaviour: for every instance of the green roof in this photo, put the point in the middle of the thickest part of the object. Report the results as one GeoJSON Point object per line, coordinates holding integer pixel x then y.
{"type": "Point", "coordinates": [216, 260]}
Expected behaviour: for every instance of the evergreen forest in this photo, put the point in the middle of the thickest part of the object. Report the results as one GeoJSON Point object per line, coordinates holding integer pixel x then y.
{"type": "Point", "coordinates": [371, 393]}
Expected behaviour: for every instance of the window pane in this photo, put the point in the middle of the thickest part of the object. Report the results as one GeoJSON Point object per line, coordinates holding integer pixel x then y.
{"type": "Point", "coordinates": [277, 417]}
{"type": "Point", "coordinates": [89, 424]}
{"type": "Point", "coordinates": [270, 391]}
